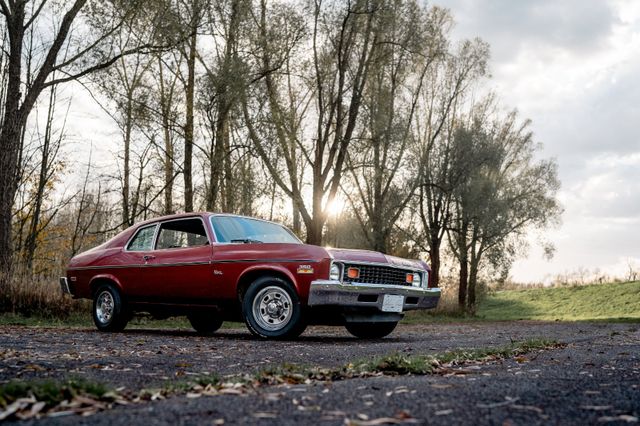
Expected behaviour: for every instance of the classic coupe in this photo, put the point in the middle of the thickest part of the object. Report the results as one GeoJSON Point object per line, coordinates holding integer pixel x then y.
{"type": "Point", "coordinates": [221, 267]}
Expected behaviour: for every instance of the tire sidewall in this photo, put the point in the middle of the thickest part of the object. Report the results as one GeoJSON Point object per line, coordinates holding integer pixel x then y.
{"type": "Point", "coordinates": [117, 322]}
{"type": "Point", "coordinates": [294, 327]}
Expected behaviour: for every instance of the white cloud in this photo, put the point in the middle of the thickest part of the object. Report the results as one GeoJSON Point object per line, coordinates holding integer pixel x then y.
{"type": "Point", "coordinates": [572, 67]}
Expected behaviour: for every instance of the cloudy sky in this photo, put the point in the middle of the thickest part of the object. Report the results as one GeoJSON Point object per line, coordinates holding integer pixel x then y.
{"type": "Point", "coordinates": [573, 67]}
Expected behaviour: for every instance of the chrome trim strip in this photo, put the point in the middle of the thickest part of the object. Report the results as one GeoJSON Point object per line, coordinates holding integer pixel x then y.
{"type": "Point", "coordinates": [140, 265]}
{"type": "Point", "coordinates": [389, 265]}
{"type": "Point", "coordinates": [266, 260]}
{"type": "Point", "coordinates": [64, 286]}
{"type": "Point", "coordinates": [334, 293]}
{"type": "Point", "coordinates": [156, 234]}
{"type": "Point", "coordinates": [213, 228]}
{"type": "Point", "coordinates": [435, 291]}
{"type": "Point", "coordinates": [204, 225]}
{"type": "Point", "coordinates": [209, 262]}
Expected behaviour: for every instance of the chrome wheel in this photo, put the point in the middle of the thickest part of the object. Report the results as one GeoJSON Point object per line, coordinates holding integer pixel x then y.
{"type": "Point", "coordinates": [272, 308]}
{"type": "Point", "coordinates": [104, 307]}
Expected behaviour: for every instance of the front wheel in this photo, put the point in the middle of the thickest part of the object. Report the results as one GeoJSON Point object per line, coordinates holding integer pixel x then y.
{"type": "Point", "coordinates": [271, 309]}
{"type": "Point", "coordinates": [109, 312]}
{"type": "Point", "coordinates": [371, 330]}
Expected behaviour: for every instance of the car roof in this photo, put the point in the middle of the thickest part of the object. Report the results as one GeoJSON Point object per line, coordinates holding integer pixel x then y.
{"type": "Point", "coordinates": [198, 214]}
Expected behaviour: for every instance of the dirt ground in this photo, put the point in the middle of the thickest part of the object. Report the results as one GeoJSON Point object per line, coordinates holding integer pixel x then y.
{"type": "Point", "coordinates": [595, 378]}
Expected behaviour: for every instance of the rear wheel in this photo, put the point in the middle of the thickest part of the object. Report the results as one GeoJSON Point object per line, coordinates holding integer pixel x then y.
{"type": "Point", "coordinates": [204, 322]}
{"type": "Point", "coordinates": [370, 330]}
{"type": "Point", "coordinates": [109, 312]}
{"type": "Point", "coordinates": [271, 309]}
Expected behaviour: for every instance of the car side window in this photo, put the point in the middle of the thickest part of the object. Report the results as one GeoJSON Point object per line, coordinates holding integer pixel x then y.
{"type": "Point", "coordinates": [143, 240]}
{"type": "Point", "coordinates": [182, 233]}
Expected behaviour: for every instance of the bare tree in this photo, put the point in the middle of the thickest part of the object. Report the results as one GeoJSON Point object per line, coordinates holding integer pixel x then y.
{"type": "Point", "coordinates": [126, 85]}
{"type": "Point", "coordinates": [384, 171]}
{"type": "Point", "coordinates": [88, 52]}
{"type": "Point", "coordinates": [51, 141]}
{"type": "Point", "coordinates": [223, 87]}
{"type": "Point", "coordinates": [318, 124]}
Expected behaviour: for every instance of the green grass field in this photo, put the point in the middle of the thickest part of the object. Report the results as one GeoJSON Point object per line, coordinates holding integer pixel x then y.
{"type": "Point", "coordinates": [611, 302]}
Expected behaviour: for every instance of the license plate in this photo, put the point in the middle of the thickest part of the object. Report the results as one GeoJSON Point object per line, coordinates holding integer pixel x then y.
{"type": "Point", "coordinates": [392, 303]}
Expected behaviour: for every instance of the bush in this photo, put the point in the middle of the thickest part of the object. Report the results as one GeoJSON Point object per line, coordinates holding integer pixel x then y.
{"type": "Point", "coordinates": [37, 295]}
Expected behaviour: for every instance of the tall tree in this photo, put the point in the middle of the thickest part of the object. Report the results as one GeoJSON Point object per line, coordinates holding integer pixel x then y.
{"type": "Point", "coordinates": [503, 192]}
{"type": "Point", "coordinates": [313, 118]}
{"type": "Point", "coordinates": [193, 13]}
{"type": "Point", "coordinates": [384, 172]}
{"type": "Point", "coordinates": [221, 92]}
{"type": "Point", "coordinates": [442, 96]}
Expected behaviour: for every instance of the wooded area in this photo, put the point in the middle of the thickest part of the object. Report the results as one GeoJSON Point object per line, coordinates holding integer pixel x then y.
{"type": "Point", "coordinates": [277, 109]}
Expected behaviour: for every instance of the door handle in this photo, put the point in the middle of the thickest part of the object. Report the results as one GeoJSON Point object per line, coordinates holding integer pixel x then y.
{"type": "Point", "coordinates": [148, 257]}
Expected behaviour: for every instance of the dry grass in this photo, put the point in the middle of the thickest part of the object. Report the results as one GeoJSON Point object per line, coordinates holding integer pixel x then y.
{"type": "Point", "coordinates": [38, 295]}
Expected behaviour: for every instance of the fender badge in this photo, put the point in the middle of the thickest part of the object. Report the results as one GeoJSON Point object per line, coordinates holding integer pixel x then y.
{"type": "Point", "coordinates": [305, 269]}
{"type": "Point", "coordinates": [216, 272]}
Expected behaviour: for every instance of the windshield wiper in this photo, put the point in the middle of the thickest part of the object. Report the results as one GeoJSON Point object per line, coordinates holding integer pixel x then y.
{"type": "Point", "coordinates": [246, 241]}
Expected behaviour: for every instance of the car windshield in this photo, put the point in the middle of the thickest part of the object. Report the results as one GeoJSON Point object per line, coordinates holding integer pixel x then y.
{"type": "Point", "coordinates": [234, 229]}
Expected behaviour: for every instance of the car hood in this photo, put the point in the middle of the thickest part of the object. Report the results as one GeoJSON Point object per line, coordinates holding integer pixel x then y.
{"type": "Point", "coordinates": [348, 255]}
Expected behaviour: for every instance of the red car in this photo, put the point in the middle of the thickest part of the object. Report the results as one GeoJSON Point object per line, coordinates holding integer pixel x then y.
{"type": "Point", "coordinates": [220, 267]}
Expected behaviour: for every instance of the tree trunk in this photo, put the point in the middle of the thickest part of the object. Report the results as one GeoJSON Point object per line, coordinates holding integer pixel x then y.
{"type": "Point", "coordinates": [434, 257]}
{"type": "Point", "coordinates": [43, 177]}
{"type": "Point", "coordinates": [314, 234]}
{"type": "Point", "coordinates": [165, 105]}
{"type": "Point", "coordinates": [463, 260]}
{"type": "Point", "coordinates": [315, 225]}
{"type": "Point", "coordinates": [473, 280]}
{"type": "Point", "coordinates": [127, 220]}
{"type": "Point", "coordinates": [188, 128]}
{"type": "Point", "coordinates": [11, 135]}
{"type": "Point", "coordinates": [297, 225]}
{"type": "Point", "coordinates": [462, 285]}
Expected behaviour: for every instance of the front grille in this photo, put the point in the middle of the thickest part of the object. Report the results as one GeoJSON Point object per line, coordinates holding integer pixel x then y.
{"type": "Point", "coordinates": [373, 274]}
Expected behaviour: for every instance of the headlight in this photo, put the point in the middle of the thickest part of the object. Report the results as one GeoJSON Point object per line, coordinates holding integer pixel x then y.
{"type": "Point", "coordinates": [334, 273]}
{"type": "Point", "coordinates": [417, 280]}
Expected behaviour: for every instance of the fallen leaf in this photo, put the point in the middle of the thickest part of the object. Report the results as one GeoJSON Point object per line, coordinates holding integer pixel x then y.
{"type": "Point", "coordinates": [623, 417]}
{"type": "Point", "coordinates": [373, 422]}
{"type": "Point", "coordinates": [596, 407]}
{"type": "Point", "coordinates": [441, 386]}
{"type": "Point", "coordinates": [264, 415]}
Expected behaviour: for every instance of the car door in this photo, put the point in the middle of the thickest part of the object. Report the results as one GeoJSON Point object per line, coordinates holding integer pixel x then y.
{"type": "Point", "coordinates": [178, 269]}
{"type": "Point", "coordinates": [132, 271]}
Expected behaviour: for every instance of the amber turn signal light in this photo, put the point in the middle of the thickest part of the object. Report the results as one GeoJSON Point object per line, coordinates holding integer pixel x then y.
{"type": "Point", "coordinates": [353, 273]}
{"type": "Point", "coordinates": [410, 278]}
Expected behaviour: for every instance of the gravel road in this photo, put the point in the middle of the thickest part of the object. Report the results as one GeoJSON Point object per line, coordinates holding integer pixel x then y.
{"type": "Point", "coordinates": [595, 379]}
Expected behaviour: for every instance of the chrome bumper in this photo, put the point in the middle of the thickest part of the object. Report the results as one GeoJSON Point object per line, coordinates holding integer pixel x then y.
{"type": "Point", "coordinates": [335, 293]}
{"type": "Point", "coordinates": [64, 285]}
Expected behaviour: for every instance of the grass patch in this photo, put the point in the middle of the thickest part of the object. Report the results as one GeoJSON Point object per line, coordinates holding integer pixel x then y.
{"type": "Point", "coordinates": [399, 364]}
{"type": "Point", "coordinates": [601, 302]}
{"type": "Point", "coordinates": [50, 392]}
{"type": "Point", "coordinates": [402, 364]}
